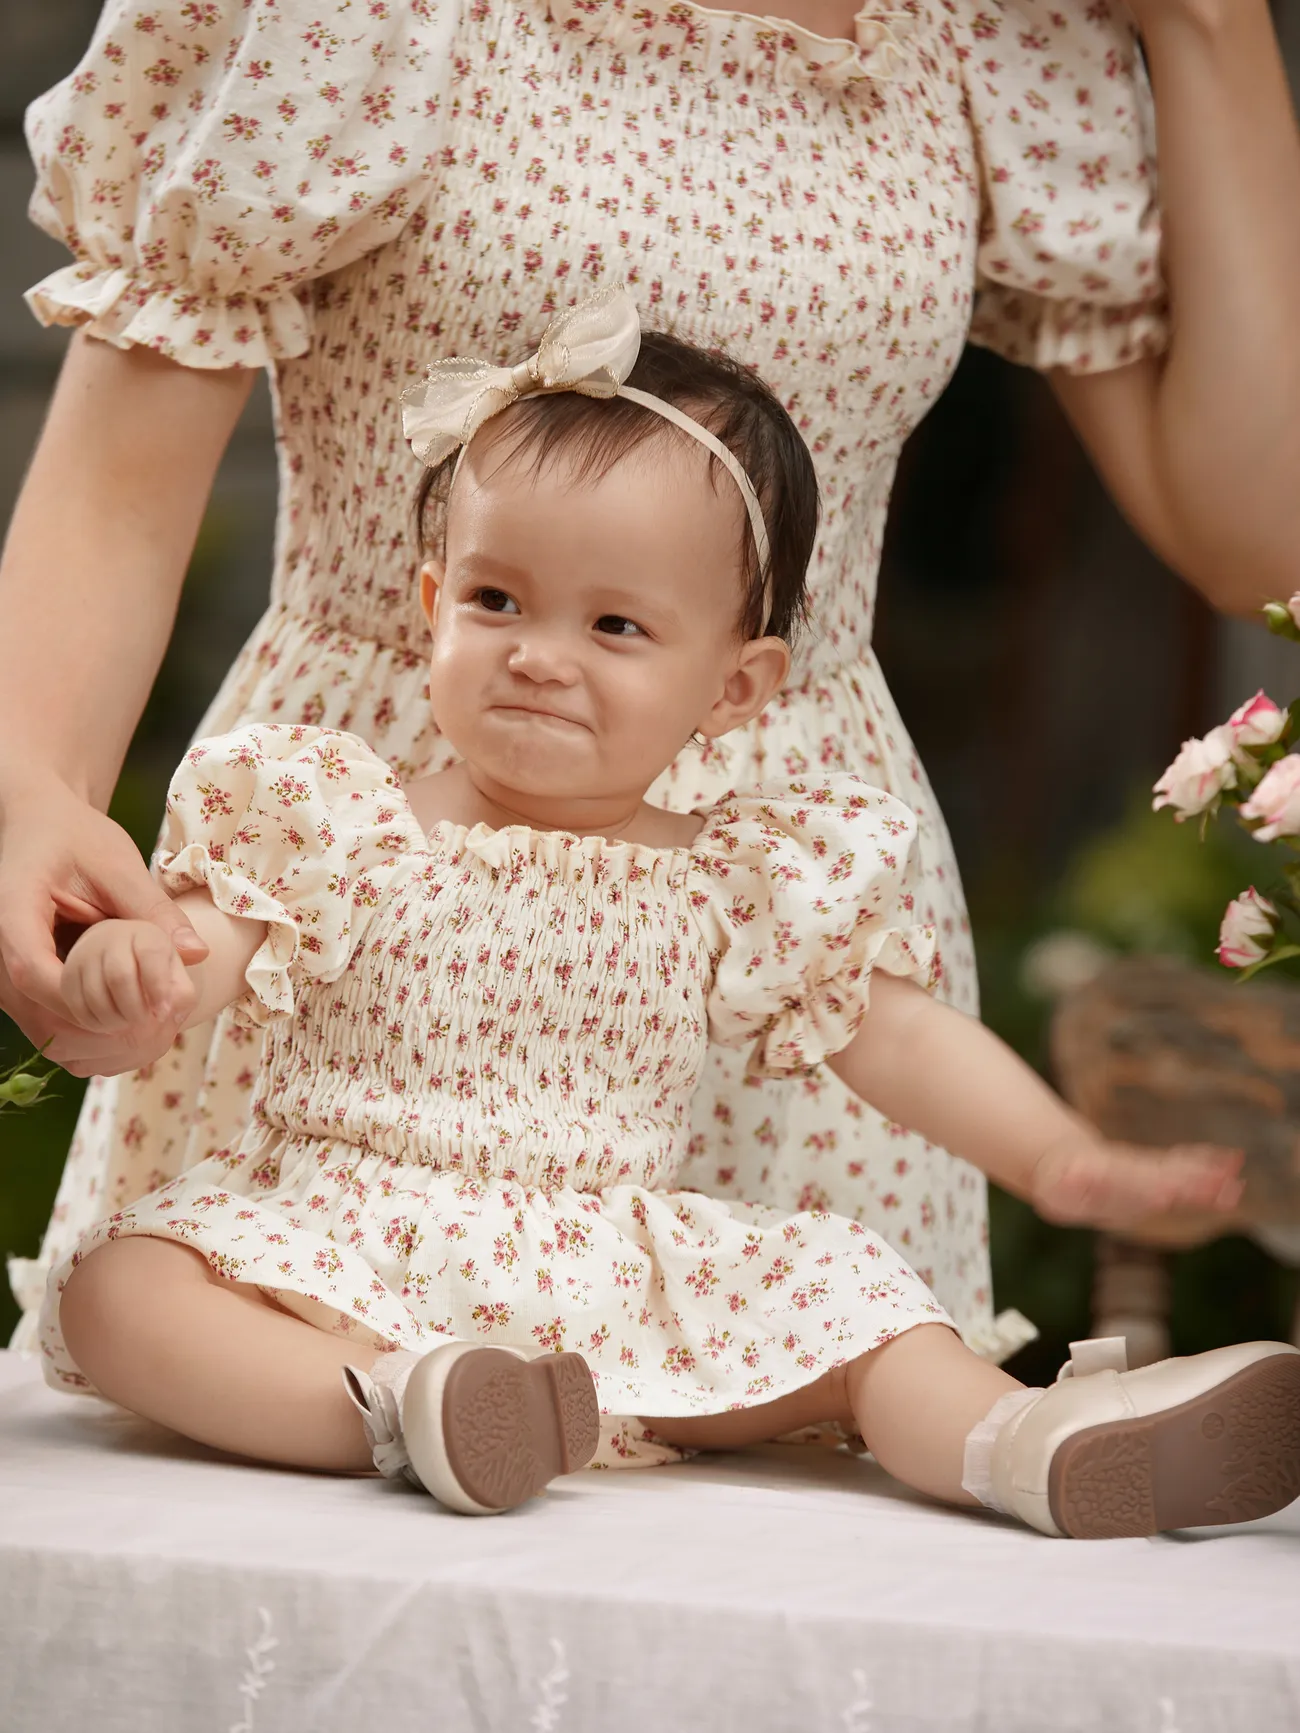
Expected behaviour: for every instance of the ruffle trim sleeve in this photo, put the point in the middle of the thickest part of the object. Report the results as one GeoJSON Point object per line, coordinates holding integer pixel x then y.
{"type": "Point", "coordinates": [206, 163]}
{"type": "Point", "coordinates": [269, 974]}
{"type": "Point", "coordinates": [127, 310]}
{"type": "Point", "coordinates": [298, 827]}
{"type": "Point", "coordinates": [801, 892]}
{"type": "Point", "coordinates": [1068, 267]}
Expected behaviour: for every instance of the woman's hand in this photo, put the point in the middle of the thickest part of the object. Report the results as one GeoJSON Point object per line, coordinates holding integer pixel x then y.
{"type": "Point", "coordinates": [62, 863]}
{"type": "Point", "coordinates": [1083, 1180]}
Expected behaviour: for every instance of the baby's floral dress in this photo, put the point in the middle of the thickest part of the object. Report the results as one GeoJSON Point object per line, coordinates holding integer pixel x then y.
{"type": "Point", "coordinates": [482, 1047]}
{"type": "Point", "coordinates": [342, 194]}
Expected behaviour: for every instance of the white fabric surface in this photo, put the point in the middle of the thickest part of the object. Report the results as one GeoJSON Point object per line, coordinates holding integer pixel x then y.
{"type": "Point", "coordinates": [144, 1585]}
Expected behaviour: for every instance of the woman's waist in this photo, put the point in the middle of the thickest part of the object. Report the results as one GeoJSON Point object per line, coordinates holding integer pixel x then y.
{"type": "Point", "coordinates": [835, 715]}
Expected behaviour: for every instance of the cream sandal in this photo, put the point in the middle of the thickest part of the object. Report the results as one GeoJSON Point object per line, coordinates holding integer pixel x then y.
{"type": "Point", "coordinates": [482, 1429]}
{"type": "Point", "coordinates": [1105, 1452]}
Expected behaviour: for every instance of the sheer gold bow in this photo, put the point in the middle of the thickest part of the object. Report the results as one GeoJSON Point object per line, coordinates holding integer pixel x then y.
{"type": "Point", "coordinates": [589, 348]}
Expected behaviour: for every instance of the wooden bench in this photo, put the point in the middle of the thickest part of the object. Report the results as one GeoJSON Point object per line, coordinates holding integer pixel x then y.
{"type": "Point", "coordinates": [1155, 1051]}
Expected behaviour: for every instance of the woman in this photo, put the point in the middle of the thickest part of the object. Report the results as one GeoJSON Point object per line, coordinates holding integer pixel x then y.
{"type": "Point", "coordinates": [826, 196]}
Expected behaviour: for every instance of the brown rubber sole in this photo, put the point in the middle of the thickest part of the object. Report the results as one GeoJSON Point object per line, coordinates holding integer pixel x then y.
{"type": "Point", "coordinates": [510, 1426]}
{"type": "Point", "coordinates": [1232, 1455]}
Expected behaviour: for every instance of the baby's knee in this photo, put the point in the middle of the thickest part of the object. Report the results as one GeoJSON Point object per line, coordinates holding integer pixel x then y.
{"type": "Point", "coordinates": [110, 1286]}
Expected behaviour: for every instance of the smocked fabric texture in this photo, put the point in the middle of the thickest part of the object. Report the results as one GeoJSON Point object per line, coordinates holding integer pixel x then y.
{"type": "Point", "coordinates": [482, 1050]}
{"type": "Point", "coordinates": [346, 199]}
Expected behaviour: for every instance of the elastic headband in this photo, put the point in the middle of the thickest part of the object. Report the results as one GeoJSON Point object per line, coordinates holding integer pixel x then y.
{"type": "Point", "coordinates": [590, 348]}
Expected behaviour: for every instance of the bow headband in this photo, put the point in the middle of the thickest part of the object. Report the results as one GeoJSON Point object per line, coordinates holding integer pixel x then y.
{"type": "Point", "coordinates": [590, 348]}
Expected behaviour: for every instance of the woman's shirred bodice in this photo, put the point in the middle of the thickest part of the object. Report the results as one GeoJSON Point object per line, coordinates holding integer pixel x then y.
{"type": "Point", "coordinates": [438, 179]}
{"type": "Point", "coordinates": [606, 160]}
{"type": "Point", "coordinates": [522, 1004]}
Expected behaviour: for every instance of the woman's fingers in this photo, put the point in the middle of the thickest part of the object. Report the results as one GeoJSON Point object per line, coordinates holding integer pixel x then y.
{"type": "Point", "coordinates": [66, 861]}
{"type": "Point", "coordinates": [159, 976]}
{"type": "Point", "coordinates": [84, 1055]}
{"type": "Point", "coordinates": [128, 892]}
{"type": "Point", "coordinates": [29, 960]}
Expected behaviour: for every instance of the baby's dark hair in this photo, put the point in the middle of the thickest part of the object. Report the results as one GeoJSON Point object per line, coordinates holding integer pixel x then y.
{"type": "Point", "coordinates": [736, 407]}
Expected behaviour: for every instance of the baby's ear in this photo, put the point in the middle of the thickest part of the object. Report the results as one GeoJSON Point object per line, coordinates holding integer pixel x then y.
{"type": "Point", "coordinates": [432, 572]}
{"type": "Point", "coordinates": [761, 669]}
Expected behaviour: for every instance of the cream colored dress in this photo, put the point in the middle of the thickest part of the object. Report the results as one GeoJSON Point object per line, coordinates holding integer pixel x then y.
{"type": "Point", "coordinates": [482, 1050]}
{"type": "Point", "coordinates": [345, 193]}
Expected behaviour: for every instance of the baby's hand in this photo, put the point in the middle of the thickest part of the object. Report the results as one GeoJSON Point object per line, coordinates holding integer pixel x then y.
{"type": "Point", "coordinates": [126, 976]}
{"type": "Point", "coordinates": [1085, 1180]}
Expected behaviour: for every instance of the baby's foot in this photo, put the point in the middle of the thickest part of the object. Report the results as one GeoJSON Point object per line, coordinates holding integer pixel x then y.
{"type": "Point", "coordinates": [482, 1429]}
{"type": "Point", "coordinates": [1186, 1443]}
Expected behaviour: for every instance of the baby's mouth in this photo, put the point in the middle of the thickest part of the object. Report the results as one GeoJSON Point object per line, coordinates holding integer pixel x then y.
{"type": "Point", "coordinates": [536, 713]}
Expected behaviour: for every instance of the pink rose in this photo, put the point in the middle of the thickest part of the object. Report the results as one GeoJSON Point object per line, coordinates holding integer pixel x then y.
{"type": "Point", "coordinates": [1258, 722]}
{"type": "Point", "coordinates": [1276, 801]}
{"type": "Point", "coordinates": [1293, 608]}
{"type": "Point", "coordinates": [1249, 922]}
{"type": "Point", "coordinates": [1199, 774]}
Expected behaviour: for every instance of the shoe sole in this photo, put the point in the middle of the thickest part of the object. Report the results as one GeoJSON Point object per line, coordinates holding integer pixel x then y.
{"type": "Point", "coordinates": [1231, 1455]}
{"type": "Point", "coordinates": [510, 1426]}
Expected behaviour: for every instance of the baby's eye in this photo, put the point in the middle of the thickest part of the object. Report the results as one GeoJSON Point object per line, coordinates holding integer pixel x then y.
{"type": "Point", "coordinates": [496, 601]}
{"type": "Point", "coordinates": [618, 626]}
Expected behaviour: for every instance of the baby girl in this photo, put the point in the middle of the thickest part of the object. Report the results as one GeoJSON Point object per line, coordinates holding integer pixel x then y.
{"type": "Point", "coordinates": [448, 1245]}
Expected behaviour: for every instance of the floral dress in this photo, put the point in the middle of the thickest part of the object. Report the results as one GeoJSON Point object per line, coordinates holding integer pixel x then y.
{"type": "Point", "coordinates": [342, 194]}
{"type": "Point", "coordinates": [474, 1100]}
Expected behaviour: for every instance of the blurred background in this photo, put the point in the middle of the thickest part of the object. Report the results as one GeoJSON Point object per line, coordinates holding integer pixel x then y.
{"type": "Point", "coordinates": [1046, 665]}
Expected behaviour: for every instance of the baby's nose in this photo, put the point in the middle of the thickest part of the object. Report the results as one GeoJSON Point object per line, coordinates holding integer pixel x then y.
{"type": "Point", "coordinates": [539, 654]}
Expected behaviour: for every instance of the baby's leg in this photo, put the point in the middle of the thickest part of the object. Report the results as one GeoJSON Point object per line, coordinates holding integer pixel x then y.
{"type": "Point", "coordinates": [155, 1330]}
{"type": "Point", "coordinates": [915, 1401]}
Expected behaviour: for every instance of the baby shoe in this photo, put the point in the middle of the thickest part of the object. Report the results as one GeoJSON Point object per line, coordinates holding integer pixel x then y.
{"type": "Point", "coordinates": [1185, 1443]}
{"type": "Point", "coordinates": [482, 1429]}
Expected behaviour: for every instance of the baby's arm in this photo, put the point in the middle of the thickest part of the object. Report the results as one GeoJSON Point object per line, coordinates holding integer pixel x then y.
{"type": "Point", "coordinates": [944, 1075]}
{"type": "Point", "coordinates": [125, 978]}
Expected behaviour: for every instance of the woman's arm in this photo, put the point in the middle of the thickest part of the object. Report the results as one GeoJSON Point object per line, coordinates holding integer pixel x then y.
{"type": "Point", "coordinates": [944, 1075]}
{"type": "Point", "coordinates": [89, 583]}
{"type": "Point", "coordinates": [1201, 450]}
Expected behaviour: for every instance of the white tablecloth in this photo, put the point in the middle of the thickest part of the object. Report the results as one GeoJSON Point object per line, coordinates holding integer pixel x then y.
{"type": "Point", "coordinates": [145, 1585]}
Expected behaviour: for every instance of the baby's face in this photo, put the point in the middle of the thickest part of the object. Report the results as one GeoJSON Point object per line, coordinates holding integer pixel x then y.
{"type": "Point", "coordinates": [584, 631]}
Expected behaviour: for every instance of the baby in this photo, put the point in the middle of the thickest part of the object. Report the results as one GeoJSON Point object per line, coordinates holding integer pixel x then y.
{"type": "Point", "coordinates": [448, 1245]}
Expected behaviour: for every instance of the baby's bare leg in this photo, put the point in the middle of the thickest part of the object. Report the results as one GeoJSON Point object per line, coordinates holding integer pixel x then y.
{"type": "Point", "coordinates": [815, 1405]}
{"type": "Point", "coordinates": [915, 1400]}
{"type": "Point", "coordinates": [154, 1329]}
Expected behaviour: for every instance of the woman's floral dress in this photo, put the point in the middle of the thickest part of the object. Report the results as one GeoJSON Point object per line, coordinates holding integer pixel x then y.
{"type": "Point", "coordinates": [475, 1094]}
{"type": "Point", "coordinates": [345, 193]}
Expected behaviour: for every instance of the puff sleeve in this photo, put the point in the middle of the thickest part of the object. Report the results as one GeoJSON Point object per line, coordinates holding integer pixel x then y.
{"type": "Point", "coordinates": [209, 158]}
{"type": "Point", "coordinates": [298, 827]}
{"type": "Point", "coordinates": [1068, 271]}
{"type": "Point", "coordinates": [800, 892]}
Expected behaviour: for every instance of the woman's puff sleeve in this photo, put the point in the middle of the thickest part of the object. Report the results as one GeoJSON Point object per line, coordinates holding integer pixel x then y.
{"type": "Point", "coordinates": [298, 827]}
{"type": "Point", "coordinates": [1068, 270]}
{"type": "Point", "coordinates": [800, 892]}
{"type": "Point", "coordinates": [208, 159]}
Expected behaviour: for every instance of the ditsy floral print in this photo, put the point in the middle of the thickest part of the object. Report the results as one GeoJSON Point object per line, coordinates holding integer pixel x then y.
{"type": "Point", "coordinates": [482, 1050]}
{"type": "Point", "coordinates": [346, 193]}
